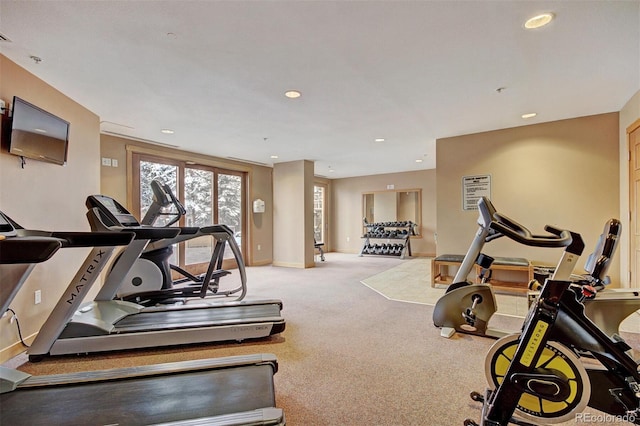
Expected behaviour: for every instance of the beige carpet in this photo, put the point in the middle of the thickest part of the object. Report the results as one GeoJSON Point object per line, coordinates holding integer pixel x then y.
{"type": "Point", "coordinates": [348, 356]}
{"type": "Point", "coordinates": [410, 282]}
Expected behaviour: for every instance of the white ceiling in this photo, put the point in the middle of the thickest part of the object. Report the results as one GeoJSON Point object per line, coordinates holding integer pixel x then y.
{"type": "Point", "coordinates": [408, 71]}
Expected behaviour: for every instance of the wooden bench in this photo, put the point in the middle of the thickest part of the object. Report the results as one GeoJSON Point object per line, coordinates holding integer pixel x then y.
{"type": "Point", "coordinates": [508, 274]}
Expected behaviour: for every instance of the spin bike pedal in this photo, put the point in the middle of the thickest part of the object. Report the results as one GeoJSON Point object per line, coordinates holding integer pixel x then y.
{"type": "Point", "coordinates": [478, 397]}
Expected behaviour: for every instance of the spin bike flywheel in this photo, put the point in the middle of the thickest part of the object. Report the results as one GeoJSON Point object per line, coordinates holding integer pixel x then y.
{"type": "Point", "coordinates": [556, 359]}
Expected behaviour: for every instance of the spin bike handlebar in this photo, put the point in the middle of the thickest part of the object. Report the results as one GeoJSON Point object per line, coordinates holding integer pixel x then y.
{"type": "Point", "coordinates": [517, 232]}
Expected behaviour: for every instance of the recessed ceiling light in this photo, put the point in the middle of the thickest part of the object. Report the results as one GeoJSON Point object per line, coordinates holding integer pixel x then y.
{"type": "Point", "coordinates": [419, 160]}
{"type": "Point", "coordinates": [529, 115]}
{"type": "Point", "coordinates": [379, 139]}
{"type": "Point", "coordinates": [274, 156]}
{"type": "Point", "coordinates": [167, 131]}
{"type": "Point", "coordinates": [539, 21]}
{"type": "Point", "coordinates": [292, 94]}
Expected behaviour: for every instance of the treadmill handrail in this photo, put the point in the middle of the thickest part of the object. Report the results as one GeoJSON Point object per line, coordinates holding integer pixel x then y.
{"type": "Point", "coordinates": [82, 239]}
{"type": "Point", "coordinates": [142, 232]}
{"type": "Point", "coordinates": [70, 238]}
{"type": "Point", "coordinates": [15, 250]}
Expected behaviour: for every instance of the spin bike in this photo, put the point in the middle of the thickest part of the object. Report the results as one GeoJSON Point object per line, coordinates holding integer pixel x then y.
{"type": "Point", "coordinates": [560, 363]}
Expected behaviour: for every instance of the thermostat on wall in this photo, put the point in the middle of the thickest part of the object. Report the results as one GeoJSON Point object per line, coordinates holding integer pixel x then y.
{"type": "Point", "coordinates": [258, 206]}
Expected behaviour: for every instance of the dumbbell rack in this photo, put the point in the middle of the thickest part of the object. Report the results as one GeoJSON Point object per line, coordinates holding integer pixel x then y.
{"type": "Point", "coordinates": [400, 231]}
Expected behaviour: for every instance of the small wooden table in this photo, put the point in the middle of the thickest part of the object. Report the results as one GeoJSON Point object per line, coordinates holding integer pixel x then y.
{"type": "Point", "coordinates": [508, 274]}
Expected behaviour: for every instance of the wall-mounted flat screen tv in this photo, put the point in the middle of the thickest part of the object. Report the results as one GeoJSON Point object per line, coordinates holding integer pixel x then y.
{"type": "Point", "coordinates": [38, 134]}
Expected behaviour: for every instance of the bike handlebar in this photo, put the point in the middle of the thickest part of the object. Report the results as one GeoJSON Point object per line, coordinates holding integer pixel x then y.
{"type": "Point", "coordinates": [505, 226]}
{"type": "Point", "coordinates": [512, 229]}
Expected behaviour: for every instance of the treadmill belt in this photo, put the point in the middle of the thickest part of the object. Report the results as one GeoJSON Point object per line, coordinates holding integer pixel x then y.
{"type": "Point", "coordinates": [184, 318]}
{"type": "Point", "coordinates": [142, 401]}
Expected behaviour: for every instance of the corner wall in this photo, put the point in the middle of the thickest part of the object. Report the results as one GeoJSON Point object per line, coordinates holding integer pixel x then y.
{"type": "Point", "coordinates": [293, 214]}
{"type": "Point", "coordinates": [564, 173]}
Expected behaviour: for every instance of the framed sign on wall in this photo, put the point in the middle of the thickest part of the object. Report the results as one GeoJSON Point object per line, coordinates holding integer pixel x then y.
{"type": "Point", "coordinates": [473, 188]}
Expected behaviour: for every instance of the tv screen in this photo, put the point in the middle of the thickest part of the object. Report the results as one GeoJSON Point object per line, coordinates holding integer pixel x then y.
{"type": "Point", "coordinates": [38, 134]}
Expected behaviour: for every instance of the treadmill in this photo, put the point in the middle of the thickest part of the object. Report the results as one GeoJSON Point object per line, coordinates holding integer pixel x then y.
{"type": "Point", "coordinates": [106, 324]}
{"type": "Point", "coordinates": [224, 391]}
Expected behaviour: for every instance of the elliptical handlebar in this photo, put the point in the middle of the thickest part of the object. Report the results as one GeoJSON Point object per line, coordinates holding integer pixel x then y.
{"type": "Point", "coordinates": [163, 197]}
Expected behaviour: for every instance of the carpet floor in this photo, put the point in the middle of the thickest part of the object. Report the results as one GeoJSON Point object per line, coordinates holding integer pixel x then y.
{"type": "Point", "coordinates": [410, 282]}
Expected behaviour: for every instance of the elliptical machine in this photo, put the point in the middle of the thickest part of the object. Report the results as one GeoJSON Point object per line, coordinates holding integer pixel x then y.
{"type": "Point", "coordinates": [539, 375]}
{"type": "Point", "coordinates": [166, 204]}
{"type": "Point", "coordinates": [149, 281]}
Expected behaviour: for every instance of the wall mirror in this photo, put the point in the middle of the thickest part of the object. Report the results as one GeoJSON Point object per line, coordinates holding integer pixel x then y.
{"type": "Point", "coordinates": [393, 206]}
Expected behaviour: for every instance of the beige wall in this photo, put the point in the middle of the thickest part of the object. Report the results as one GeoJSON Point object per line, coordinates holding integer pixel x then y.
{"type": "Point", "coordinates": [347, 210]}
{"type": "Point", "coordinates": [629, 114]}
{"type": "Point", "coordinates": [261, 186]}
{"type": "Point", "coordinates": [564, 173]}
{"type": "Point", "coordinates": [114, 183]}
{"type": "Point", "coordinates": [47, 196]}
{"type": "Point", "coordinates": [293, 214]}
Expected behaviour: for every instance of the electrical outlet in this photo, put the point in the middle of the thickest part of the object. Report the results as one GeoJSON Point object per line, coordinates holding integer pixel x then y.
{"type": "Point", "coordinates": [114, 162]}
{"type": "Point", "coordinates": [37, 297]}
{"type": "Point", "coordinates": [259, 247]}
{"type": "Point", "coordinates": [348, 239]}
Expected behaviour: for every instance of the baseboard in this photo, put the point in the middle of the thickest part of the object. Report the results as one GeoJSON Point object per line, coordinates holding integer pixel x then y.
{"type": "Point", "coordinates": [261, 263]}
{"type": "Point", "coordinates": [16, 349]}
{"type": "Point", "coordinates": [423, 254]}
{"type": "Point", "coordinates": [289, 265]}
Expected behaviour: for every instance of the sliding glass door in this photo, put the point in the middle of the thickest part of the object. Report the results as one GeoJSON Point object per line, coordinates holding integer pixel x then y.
{"type": "Point", "coordinates": [210, 196]}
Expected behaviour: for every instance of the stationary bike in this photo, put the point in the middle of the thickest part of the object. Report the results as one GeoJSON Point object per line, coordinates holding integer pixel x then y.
{"type": "Point", "coordinates": [465, 307]}
{"type": "Point", "coordinates": [560, 363]}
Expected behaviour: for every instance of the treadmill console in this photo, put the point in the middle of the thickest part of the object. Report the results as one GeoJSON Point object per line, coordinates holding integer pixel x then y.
{"type": "Point", "coordinates": [111, 209]}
